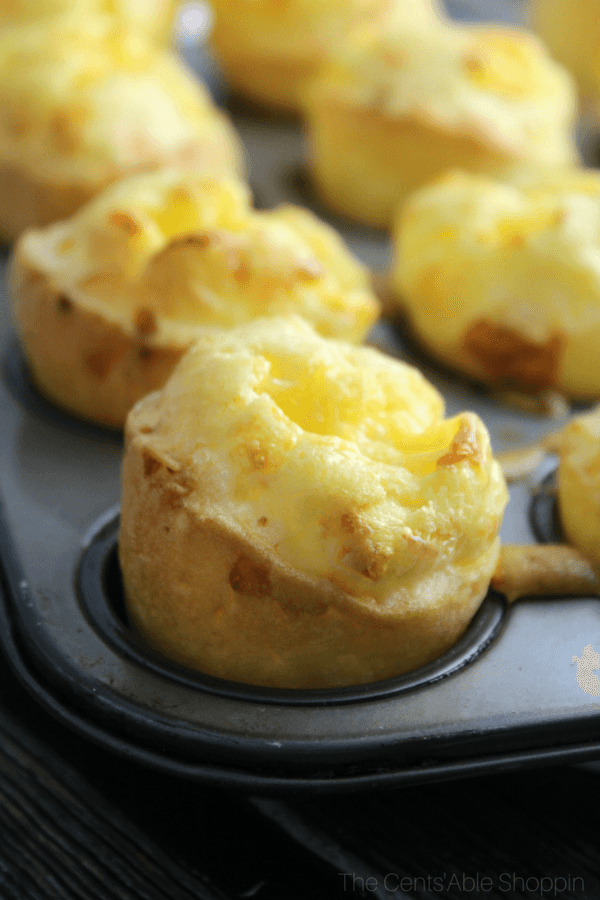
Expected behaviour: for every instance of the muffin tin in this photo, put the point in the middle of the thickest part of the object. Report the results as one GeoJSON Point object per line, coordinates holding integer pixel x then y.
{"type": "Point", "coordinates": [505, 696]}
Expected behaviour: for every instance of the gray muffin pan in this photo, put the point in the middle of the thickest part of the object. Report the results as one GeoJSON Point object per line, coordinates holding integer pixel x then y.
{"type": "Point", "coordinates": [505, 696]}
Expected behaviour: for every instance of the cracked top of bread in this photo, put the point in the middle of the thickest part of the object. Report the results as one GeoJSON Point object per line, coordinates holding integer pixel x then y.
{"type": "Point", "coordinates": [321, 478]}
{"type": "Point", "coordinates": [188, 250]}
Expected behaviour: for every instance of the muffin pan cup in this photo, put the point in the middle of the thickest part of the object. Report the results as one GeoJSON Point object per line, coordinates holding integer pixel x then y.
{"type": "Point", "coordinates": [505, 696]}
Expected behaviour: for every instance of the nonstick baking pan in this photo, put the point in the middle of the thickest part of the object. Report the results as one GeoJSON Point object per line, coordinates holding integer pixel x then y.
{"type": "Point", "coordinates": [505, 696]}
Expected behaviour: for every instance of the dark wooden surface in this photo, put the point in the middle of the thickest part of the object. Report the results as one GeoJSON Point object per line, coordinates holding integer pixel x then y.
{"type": "Point", "coordinates": [77, 822]}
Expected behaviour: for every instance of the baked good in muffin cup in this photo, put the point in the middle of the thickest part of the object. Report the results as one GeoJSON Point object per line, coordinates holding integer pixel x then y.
{"type": "Point", "coordinates": [268, 49]}
{"type": "Point", "coordinates": [87, 102]}
{"type": "Point", "coordinates": [106, 302]}
{"type": "Point", "coordinates": [297, 511]}
{"type": "Point", "coordinates": [394, 107]}
{"type": "Point", "coordinates": [501, 281]}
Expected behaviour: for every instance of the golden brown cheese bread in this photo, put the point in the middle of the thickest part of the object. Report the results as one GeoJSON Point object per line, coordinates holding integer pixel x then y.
{"type": "Point", "coordinates": [297, 512]}
{"type": "Point", "coordinates": [268, 49]}
{"type": "Point", "coordinates": [122, 289]}
{"type": "Point", "coordinates": [579, 483]}
{"type": "Point", "coordinates": [502, 281]}
{"type": "Point", "coordinates": [88, 103]}
{"type": "Point", "coordinates": [155, 17]}
{"type": "Point", "coordinates": [394, 107]}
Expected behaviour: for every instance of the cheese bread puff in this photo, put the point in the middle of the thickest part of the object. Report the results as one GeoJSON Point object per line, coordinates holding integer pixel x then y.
{"type": "Point", "coordinates": [394, 108]}
{"type": "Point", "coordinates": [579, 483]}
{"type": "Point", "coordinates": [268, 49]}
{"type": "Point", "coordinates": [155, 17]}
{"type": "Point", "coordinates": [89, 104]}
{"type": "Point", "coordinates": [298, 513]}
{"type": "Point", "coordinates": [571, 29]}
{"type": "Point", "coordinates": [121, 289]}
{"type": "Point", "coordinates": [503, 281]}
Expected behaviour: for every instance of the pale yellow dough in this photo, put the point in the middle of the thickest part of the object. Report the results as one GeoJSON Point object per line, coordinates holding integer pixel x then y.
{"type": "Point", "coordinates": [87, 102]}
{"type": "Point", "coordinates": [394, 108]}
{"type": "Point", "coordinates": [579, 483]}
{"type": "Point", "coordinates": [123, 288]}
{"type": "Point", "coordinates": [297, 512]}
{"type": "Point", "coordinates": [503, 281]}
{"type": "Point", "coordinates": [269, 48]}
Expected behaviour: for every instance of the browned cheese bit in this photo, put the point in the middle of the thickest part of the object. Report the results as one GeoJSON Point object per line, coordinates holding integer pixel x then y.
{"type": "Point", "coordinates": [550, 570]}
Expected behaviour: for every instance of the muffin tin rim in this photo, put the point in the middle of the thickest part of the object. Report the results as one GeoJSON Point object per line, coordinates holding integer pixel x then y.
{"type": "Point", "coordinates": [100, 541]}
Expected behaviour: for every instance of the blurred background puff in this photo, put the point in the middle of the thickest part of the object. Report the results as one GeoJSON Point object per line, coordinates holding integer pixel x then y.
{"type": "Point", "coordinates": [579, 484]}
{"type": "Point", "coordinates": [571, 29]}
{"type": "Point", "coordinates": [268, 48]}
{"type": "Point", "coordinates": [86, 102]}
{"type": "Point", "coordinates": [123, 288]}
{"type": "Point", "coordinates": [394, 107]}
{"type": "Point", "coordinates": [156, 18]}
{"type": "Point", "coordinates": [298, 513]}
{"type": "Point", "coordinates": [503, 281]}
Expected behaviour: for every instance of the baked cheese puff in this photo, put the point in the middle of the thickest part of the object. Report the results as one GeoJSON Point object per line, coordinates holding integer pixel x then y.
{"type": "Point", "coordinates": [393, 108]}
{"type": "Point", "coordinates": [298, 513]}
{"type": "Point", "coordinates": [579, 483]}
{"type": "Point", "coordinates": [268, 49]}
{"type": "Point", "coordinates": [88, 103]}
{"type": "Point", "coordinates": [502, 281]}
{"type": "Point", "coordinates": [571, 29]}
{"type": "Point", "coordinates": [155, 17]}
{"type": "Point", "coordinates": [106, 302]}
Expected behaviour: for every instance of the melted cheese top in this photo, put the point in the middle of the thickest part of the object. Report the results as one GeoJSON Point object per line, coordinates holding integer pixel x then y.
{"type": "Point", "coordinates": [498, 85]}
{"type": "Point", "coordinates": [185, 249]}
{"type": "Point", "coordinates": [336, 457]}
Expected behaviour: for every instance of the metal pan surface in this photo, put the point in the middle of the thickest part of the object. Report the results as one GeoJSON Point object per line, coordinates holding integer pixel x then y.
{"type": "Point", "coordinates": [505, 696]}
